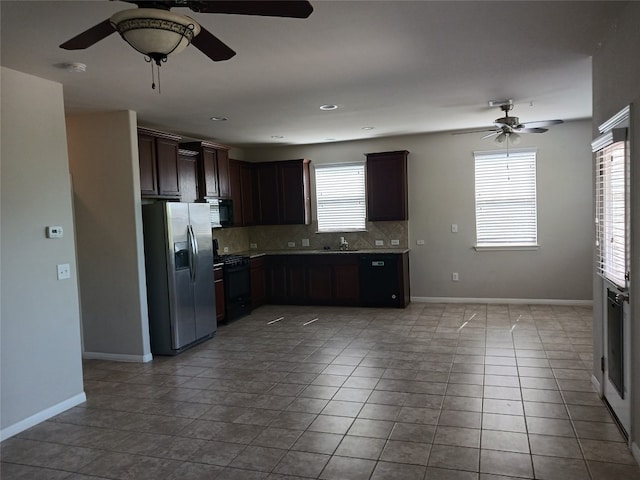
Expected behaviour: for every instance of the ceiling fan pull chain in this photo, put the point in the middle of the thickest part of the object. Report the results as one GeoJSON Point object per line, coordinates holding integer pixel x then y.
{"type": "Point", "coordinates": [153, 77]}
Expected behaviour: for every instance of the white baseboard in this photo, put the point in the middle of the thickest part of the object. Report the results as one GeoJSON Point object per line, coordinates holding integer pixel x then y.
{"type": "Point", "coordinates": [635, 451]}
{"type": "Point", "coordinates": [118, 357]}
{"type": "Point", "coordinates": [513, 301]}
{"type": "Point", "coordinates": [40, 417]}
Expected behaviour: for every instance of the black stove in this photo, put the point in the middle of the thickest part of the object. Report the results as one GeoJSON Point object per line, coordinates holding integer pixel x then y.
{"type": "Point", "coordinates": [232, 260]}
{"type": "Point", "coordinates": [237, 285]}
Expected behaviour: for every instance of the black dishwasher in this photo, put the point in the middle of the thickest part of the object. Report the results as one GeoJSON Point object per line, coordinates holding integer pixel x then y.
{"type": "Point", "coordinates": [380, 280]}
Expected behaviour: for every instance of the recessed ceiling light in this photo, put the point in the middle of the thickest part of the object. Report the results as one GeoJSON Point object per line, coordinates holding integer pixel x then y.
{"type": "Point", "coordinates": [219, 119]}
{"type": "Point", "coordinates": [328, 106]}
{"type": "Point", "coordinates": [368, 128]}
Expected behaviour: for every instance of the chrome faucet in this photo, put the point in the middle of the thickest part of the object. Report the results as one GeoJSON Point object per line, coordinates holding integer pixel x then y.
{"type": "Point", "coordinates": [344, 245]}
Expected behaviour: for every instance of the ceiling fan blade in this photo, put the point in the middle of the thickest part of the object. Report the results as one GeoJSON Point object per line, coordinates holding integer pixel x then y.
{"type": "Point", "coordinates": [531, 130]}
{"type": "Point", "coordinates": [212, 46]}
{"type": "Point", "coordinates": [489, 135]}
{"type": "Point", "coordinates": [543, 123]}
{"type": "Point", "coordinates": [475, 131]}
{"type": "Point", "coordinates": [89, 37]}
{"type": "Point", "coordinates": [267, 8]}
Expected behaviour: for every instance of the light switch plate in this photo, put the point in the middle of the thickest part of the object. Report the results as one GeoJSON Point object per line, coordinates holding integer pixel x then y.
{"type": "Point", "coordinates": [379, 243]}
{"type": "Point", "coordinates": [305, 242]}
{"type": "Point", "coordinates": [253, 246]}
{"type": "Point", "coordinates": [54, 231]}
{"type": "Point", "coordinates": [395, 243]}
{"type": "Point", "coordinates": [454, 228]}
{"type": "Point", "coordinates": [291, 244]}
{"type": "Point", "coordinates": [419, 242]}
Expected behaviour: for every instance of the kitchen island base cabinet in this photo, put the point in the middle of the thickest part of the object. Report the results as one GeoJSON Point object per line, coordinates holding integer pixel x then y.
{"type": "Point", "coordinates": [324, 279]}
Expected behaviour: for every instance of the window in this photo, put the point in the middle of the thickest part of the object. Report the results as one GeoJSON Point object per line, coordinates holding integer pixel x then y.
{"type": "Point", "coordinates": [611, 212]}
{"type": "Point", "coordinates": [506, 211]}
{"type": "Point", "coordinates": [340, 194]}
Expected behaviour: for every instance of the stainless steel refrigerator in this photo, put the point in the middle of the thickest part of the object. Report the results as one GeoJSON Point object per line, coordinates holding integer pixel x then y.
{"type": "Point", "coordinates": [179, 266]}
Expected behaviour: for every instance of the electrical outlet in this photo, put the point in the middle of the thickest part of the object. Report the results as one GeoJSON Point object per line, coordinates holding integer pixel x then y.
{"type": "Point", "coordinates": [291, 244]}
{"type": "Point", "coordinates": [419, 242]}
{"type": "Point", "coordinates": [253, 246]}
{"type": "Point", "coordinates": [395, 243]}
{"type": "Point", "coordinates": [379, 243]}
{"type": "Point", "coordinates": [225, 250]}
{"type": "Point", "coordinates": [454, 228]}
{"type": "Point", "coordinates": [455, 277]}
{"type": "Point", "coordinates": [64, 271]}
{"type": "Point", "coordinates": [305, 242]}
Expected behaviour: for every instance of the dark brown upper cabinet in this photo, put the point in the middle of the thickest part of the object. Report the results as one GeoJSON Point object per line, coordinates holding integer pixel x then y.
{"type": "Point", "coordinates": [282, 189]}
{"type": "Point", "coordinates": [213, 169]}
{"type": "Point", "coordinates": [387, 196]}
{"type": "Point", "coordinates": [187, 167]}
{"type": "Point", "coordinates": [158, 161]}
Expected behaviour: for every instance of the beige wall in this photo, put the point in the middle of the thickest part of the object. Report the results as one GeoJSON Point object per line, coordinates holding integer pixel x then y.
{"type": "Point", "coordinates": [41, 369]}
{"type": "Point", "coordinates": [616, 83]}
{"type": "Point", "coordinates": [103, 158]}
{"type": "Point", "coordinates": [441, 192]}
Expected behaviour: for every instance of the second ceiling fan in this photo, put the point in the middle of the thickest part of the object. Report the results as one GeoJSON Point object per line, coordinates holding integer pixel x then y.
{"type": "Point", "coordinates": [508, 128]}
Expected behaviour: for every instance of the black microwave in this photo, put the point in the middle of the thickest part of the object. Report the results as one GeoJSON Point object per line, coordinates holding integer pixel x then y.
{"type": "Point", "coordinates": [221, 212]}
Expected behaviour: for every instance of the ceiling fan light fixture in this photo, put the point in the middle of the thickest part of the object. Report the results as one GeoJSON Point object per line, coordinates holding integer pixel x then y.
{"type": "Point", "coordinates": [501, 138]}
{"type": "Point", "coordinates": [155, 33]}
{"type": "Point", "coordinates": [514, 138]}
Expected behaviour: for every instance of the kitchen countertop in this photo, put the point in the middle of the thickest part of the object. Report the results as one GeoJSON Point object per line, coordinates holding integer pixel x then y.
{"type": "Point", "coordinates": [302, 251]}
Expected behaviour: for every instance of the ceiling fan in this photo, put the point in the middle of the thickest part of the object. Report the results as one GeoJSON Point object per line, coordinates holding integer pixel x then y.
{"type": "Point", "coordinates": [156, 32]}
{"type": "Point", "coordinates": [509, 128]}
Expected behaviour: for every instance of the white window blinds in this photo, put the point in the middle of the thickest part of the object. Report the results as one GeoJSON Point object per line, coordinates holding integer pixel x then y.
{"type": "Point", "coordinates": [341, 200]}
{"type": "Point", "coordinates": [506, 211]}
{"type": "Point", "coordinates": [611, 214]}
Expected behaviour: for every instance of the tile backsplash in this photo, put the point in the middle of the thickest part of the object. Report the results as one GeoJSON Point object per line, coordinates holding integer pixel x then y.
{"type": "Point", "coordinates": [277, 237]}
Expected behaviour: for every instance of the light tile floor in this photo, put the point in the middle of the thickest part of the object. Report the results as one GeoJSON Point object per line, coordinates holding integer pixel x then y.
{"type": "Point", "coordinates": [431, 392]}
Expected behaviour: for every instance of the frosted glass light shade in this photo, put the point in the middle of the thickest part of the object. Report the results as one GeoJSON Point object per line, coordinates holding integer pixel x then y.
{"type": "Point", "coordinates": [155, 33]}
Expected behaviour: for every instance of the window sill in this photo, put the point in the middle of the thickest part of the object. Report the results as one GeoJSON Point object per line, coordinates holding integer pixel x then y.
{"type": "Point", "coordinates": [341, 231]}
{"type": "Point", "coordinates": [497, 248]}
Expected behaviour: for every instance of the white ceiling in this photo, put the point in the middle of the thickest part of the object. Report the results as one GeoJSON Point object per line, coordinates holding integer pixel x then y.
{"type": "Point", "coordinates": [400, 66]}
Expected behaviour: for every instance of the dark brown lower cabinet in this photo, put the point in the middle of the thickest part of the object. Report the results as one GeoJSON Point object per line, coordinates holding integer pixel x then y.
{"type": "Point", "coordinates": [313, 279]}
{"type": "Point", "coordinates": [258, 282]}
{"type": "Point", "coordinates": [218, 283]}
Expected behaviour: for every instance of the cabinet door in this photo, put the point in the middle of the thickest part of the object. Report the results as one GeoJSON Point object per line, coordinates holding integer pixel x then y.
{"type": "Point", "coordinates": [224, 184]}
{"type": "Point", "coordinates": [277, 279]}
{"type": "Point", "coordinates": [293, 188]}
{"type": "Point", "coordinates": [320, 282]}
{"type": "Point", "coordinates": [387, 197]}
{"type": "Point", "coordinates": [347, 284]}
{"type": "Point", "coordinates": [297, 279]}
{"type": "Point", "coordinates": [219, 291]}
{"type": "Point", "coordinates": [258, 284]}
{"type": "Point", "coordinates": [247, 186]}
{"type": "Point", "coordinates": [168, 175]}
{"type": "Point", "coordinates": [147, 159]}
{"type": "Point", "coordinates": [267, 183]}
{"type": "Point", "coordinates": [235, 186]}
{"type": "Point", "coordinates": [188, 178]}
{"type": "Point", "coordinates": [209, 172]}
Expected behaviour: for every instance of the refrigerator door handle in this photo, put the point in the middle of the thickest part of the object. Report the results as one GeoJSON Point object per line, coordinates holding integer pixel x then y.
{"type": "Point", "coordinates": [193, 253]}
